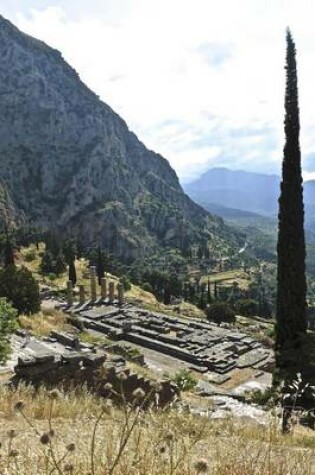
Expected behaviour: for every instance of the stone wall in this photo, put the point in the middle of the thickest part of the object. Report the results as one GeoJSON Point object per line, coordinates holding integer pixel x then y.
{"type": "Point", "coordinates": [94, 370]}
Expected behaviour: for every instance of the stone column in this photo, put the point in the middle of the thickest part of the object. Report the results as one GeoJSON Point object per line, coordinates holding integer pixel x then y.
{"type": "Point", "coordinates": [82, 294]}
{"type": "Point", "coordinates": [93, 282]}
{"type": "Point", "coordinates": [120, 288]}
{"type": "Point", "coordinates": [103, 288]}
{"type": "Point", "coordinates": [69, 293]}
{"type": "Point", "coordinates": [111, 291]}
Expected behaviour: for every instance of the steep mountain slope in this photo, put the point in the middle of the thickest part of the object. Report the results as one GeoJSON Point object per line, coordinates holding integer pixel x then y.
{"type": "Point", "coordinates": [69, 161]}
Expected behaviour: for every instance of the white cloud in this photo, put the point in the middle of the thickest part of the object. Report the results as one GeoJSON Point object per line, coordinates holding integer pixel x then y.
{"type": "Point", "coordinates": [148, 61]}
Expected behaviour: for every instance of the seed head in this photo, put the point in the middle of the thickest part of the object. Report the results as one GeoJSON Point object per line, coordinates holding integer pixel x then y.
{"type": "Point", "coordinates": [71, 447]}
{"type": "Point", "coordinates": [13, 453]}
{"type": "Point", "coordinates": [169, 436]}
{"type": "Point", "coordinates": [201, 466]}
{"type": "Point", "coordinates": [108, 387]}
{"type": "Point", "coordinates": [162, 449]}
{"type": "Point", "coordinates": [45, 438]}
{"type": "Point", "coordinates": [19, 406]}
{"type": "Point", "coordinates": [54, 394]}
{"type": "Point", "coordinates": [122, 376]}
{"type": "Point", "coordinates": [11, 433]}
{"type": "Point", "coordinates": [138, 394]}
{"type": "Point", "coordinates": [107, 407]}
{"type": "Point", "coordinates": [69, 467]}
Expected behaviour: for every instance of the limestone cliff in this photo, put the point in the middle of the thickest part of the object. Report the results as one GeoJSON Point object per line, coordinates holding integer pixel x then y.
{"type": "Point", "coordinates": [69, 161]}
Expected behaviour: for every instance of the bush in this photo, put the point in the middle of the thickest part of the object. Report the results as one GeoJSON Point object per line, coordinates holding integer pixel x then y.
{"type": "Point", "coordinates": [267, 397]}
{"type": "Point", "coordinates": [47, 264]}
{"type": "Point", "coordinates": [247, 307]}
{"type": "Point", "coordinates": [30, 256]}
{"type": "Point", "coordinates": [185, 380]}
{"type": "Point", "coordinates": [20, 288]}
{"type": "Point", "coordinates": [147, 287]}
{"type": "Point", "coordinates": [220, 312]}
{"type": "Point", "coordinates": [125, 282]}
{"type": "Point", "coordinates": [7, 325]}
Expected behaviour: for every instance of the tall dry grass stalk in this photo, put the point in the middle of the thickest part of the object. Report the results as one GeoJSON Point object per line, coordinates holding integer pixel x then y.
{"type": "Point", "coordinates": [45, 433]}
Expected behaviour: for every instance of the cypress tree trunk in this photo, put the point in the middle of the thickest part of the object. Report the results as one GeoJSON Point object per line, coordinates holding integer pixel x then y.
{"type": "Point", "coordinates": [8, 253]}
{"type": "Point", "coordinates": [72, 272]}
{"type": "Point", "coordinates": [291, 323]}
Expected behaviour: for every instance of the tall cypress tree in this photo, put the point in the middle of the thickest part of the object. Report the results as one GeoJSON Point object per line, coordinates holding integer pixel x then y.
{"type": "Point", "coordinates": [8, 253]}
{"type": "Point", "coordinates": [72, 272]}
{"type": "Point", "coordinates": [291, 323]}
{"type": "Point", "coordinates": [100, 264]}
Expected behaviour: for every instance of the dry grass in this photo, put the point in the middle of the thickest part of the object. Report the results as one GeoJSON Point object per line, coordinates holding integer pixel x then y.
{"type": "Point", "coordinates": [42, 323]}
{"type": "Point", "coordinates": [86, 436]}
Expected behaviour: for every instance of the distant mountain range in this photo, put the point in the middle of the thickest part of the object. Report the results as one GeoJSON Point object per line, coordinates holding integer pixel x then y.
{"type": "Point", "coordinates": [232, 194]}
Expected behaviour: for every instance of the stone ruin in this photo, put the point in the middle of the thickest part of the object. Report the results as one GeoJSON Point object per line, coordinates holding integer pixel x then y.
{"type": "Point", "coordinates": [107, 294]}
{"type": "Point", "coordinates": [79, 366]}
{"type": "Point", "coordinates": [205, 346]}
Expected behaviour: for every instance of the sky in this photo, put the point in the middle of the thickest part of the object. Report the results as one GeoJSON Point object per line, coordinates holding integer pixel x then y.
{"type": "Point", "coordinates": [199, 81]}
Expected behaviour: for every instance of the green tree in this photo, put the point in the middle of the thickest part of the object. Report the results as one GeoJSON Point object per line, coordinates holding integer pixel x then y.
{"type": "Point", "coordinates": [53, 243]}
{"type": "Point", "coordinates": [20, 288]}
{"type": "Point", "coordinates": [291, 321]}
{"type": "Point", "coordinates": [247, 307]}
{"type": "Point", "coordinates": [7, 325]}
{"type": "Point", "coordinates": [69, 250]}
{"type": "Point", "coordinates": [202, 300]}
{"type": "Point", "coordinates": [60, 265]}
{"type": "Point", "coordinates": [209, 298]}
{"type": "Point", "coordinates": [100, 264]}
{"type": "Point", "coordinates": [47, 264]}
{"type": "Point", "coordinates": [8, 253]}
{"type": "Point", "coordinates": [220, 312]}
{"type": "Point", "coordinates": [72, 272]}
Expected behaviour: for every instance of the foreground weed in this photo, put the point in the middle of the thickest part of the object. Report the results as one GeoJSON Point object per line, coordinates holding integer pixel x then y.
{"type": "Point", "coordinates": [56, 433]}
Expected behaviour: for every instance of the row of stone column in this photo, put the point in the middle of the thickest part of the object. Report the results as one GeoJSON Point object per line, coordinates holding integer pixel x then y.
{"type": "Point", "coordinates": [93, 290]}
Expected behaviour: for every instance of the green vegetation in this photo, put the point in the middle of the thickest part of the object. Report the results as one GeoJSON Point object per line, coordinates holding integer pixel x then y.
{"type": "Point", "coordinates": [221, 312]}
{"type": "Point", "coordinates": [291, 281]}
{"type": "Point", "coordinates": [185, 380]}
{"type": "Point", "coordinates": [20, 288]}
{"type": "Point", "coordinates": [7, 325]}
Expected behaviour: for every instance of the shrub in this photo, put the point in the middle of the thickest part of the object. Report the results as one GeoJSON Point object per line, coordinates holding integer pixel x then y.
{"type": "Point", "coordinates": [247, 307]}
{"type": "Point", "coordinates": [7, 324]}
{"type": "Point", "coordinates": [147, 287]}
{"type": "Point", "coordinates": [220, 312]}
{"type": "Point", "coordinates": [30, 256]}
{"type": "Point", "coordinates": [185, 380]}
{"type": "Point", "coordinates": [47, 264]}
{"type": "Point", "coordinates": [20, 288]}
{"type": "Point", "coordinates": [125, 282]}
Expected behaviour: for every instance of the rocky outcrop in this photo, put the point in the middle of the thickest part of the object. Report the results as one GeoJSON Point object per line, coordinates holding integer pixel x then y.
{"type": "Point", "coordinates": [69, 161]}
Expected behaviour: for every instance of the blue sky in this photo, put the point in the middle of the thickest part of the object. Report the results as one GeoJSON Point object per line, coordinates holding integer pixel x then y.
{"type": "Point", "coordinates": [199, 81]}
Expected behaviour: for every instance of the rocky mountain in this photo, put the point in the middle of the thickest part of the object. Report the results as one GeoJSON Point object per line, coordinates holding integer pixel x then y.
{"type": "Point", "coordinates": [70, 162]}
